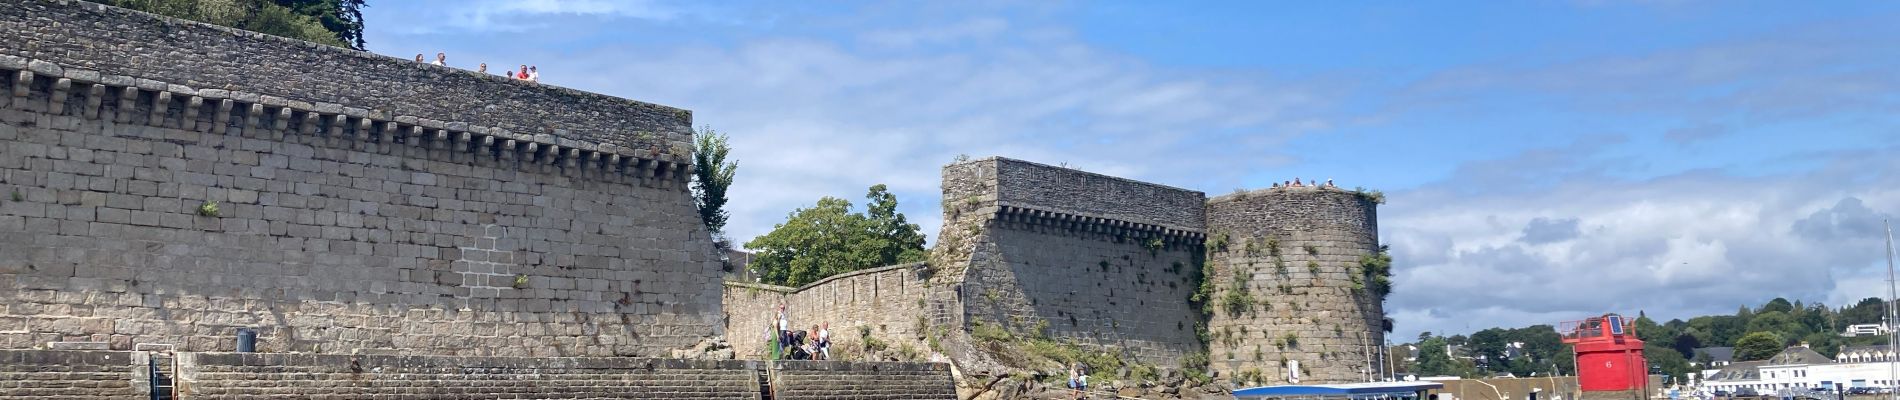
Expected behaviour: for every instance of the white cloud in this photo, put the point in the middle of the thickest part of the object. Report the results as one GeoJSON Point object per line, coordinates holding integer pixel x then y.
{"type": "Point", "coordinates": [810, 117]}
{"type": "Point", "coordinates": [1674, 246]}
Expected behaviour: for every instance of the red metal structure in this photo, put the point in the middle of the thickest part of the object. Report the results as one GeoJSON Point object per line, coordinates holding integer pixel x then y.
{"type": "Point", "coordinates": [1609, 356]}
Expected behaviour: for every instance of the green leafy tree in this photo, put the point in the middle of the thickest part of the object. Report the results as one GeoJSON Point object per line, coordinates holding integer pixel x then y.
{"type": "Point", "coordinates": [1779, 323]}
{"type": "Point", "coordinates": [1778, 304]}
{"type": "Point", "coordinates": [1666, 360]}
{"type": "Point", "coordinates": [332, 22]}
{"type": "Point", "coordinates": [1867, 311]}
{"type": "Point", "coordinates": [1432, 360]}
{"type": "Point", "coordinates": [1757, 346]}
{"type": "Point", "coordinates": [829, 239]}
{"type": "Point", "coordinates": [712, 175]}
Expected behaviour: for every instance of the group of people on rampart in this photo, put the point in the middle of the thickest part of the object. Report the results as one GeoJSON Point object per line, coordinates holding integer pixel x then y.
{"type": "Point", "coordinates": [1295, 183]}
{"type": "Point", "coordinates": [528, 73]}
{"type": "Point", "coordinates": [792, 344]}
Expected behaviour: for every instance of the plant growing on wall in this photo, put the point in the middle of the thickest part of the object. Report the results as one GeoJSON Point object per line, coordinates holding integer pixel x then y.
{"type": "Point", "coordinates": [17, 197]}
{"type": "Point", "coordinates": [712, 175]}
{"type": "Point", "coordinates": [209, 209]}
{"type": "Point", "coordinates": [1377, 270]}
{"type": "Point", "coordinates": [1374, 196]}
{"type": "Point", "coordinates": [1153, 245]}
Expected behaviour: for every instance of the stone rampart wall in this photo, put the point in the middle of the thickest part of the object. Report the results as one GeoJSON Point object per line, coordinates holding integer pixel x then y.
{"type": "Point", "coordinates": [888, 303]}
{"type": "Point", "coordinates": [1287, 280]}
{"type": "Point", "coordinates": [1073, 197]}
{"type": "Point", "coordinates": [92, 41]}
{"type": "Point", "coordinates": [796, 380]}
{"type": "Point", "coordinates": [1073, 256]}
{"type": "Point", "coordinates": [72, 375]}
{"type": "Point", "coordinates": [65, 374]}
{"type": "Point", "coordinates": [340, 377]}
{"type": "Point", "coordinates": [330, 235]}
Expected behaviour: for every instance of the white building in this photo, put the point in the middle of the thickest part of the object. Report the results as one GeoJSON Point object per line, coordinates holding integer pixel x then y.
{"type": "Point", "coordinates": [1865, 330]}
{"type": "Point", "coordinates": [1800, 368]}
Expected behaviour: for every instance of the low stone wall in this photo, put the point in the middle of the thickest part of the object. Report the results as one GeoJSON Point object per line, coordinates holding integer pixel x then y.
{"type": "Point", "coordinates": [68, 374]}
{"type": "Point", "coordinates": [320, 376]}
{"type": "Point", "coordinates": [888, 303]}
{"type": "Point", "coordinates": [64, 374]}
{"type": "Point", "coordinates": [796, 380]}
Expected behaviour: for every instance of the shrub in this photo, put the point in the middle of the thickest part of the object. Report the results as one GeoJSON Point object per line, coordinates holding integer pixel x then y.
{"type": "Point", "coordinates": [209, 209]}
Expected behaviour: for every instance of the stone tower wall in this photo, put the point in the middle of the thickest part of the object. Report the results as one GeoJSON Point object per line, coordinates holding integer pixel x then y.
{"type": "Point", "coordinates": [364, 203]}
{"type": "Point", "coordinates": [1091, 259]}
{"type": "Point", "coordinates": [1296, 253]}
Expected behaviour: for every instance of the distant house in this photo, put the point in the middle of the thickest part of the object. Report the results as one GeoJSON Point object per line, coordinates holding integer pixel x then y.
{"type": "Point", "coordinates": [1865, 330]}
{"type": "Point", "coordinates": [1860, 354]}
{"type": "Point", "coordinates": [1718, 356]}
{"type": "Point", "coordinates": [1797, 369]}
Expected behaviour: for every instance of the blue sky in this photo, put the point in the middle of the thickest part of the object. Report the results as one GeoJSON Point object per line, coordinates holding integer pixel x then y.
{"type": "Point", "coordinates": [1544, 161]}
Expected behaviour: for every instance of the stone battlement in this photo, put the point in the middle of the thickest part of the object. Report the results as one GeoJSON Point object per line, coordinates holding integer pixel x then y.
{"type": "Point", "coordinates": [1031, 195]}
{"type": "Point", "coordinates": [220, 80]}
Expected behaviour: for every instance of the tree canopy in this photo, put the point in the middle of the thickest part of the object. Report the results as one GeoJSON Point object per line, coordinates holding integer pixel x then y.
{"type": "Point", "coordinates": [712, 175]}
{"type": "Point", "coordinates": [333, 22]}
{"type": "Point", "coordinates": [1757, 346]}
{"type": "Point", "coordinates": [828, 239]}
{"type": "Point", "coordinates": [1670, 346]}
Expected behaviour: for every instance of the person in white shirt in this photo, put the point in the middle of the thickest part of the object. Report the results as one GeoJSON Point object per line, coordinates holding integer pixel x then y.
{"type": "Point", "coordinates": [824, 341]}
{"type": "Point", "coordinates": [441, 59]}
{"type": "Point", "coordinates": [534, 74]}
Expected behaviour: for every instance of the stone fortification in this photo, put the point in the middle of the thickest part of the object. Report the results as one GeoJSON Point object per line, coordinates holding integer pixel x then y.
{"type": "Point", "coordinates": [72, 375]}
{"type": "Point", "coordinates": [1285, 266]}
{"type": "Point", "coordinates": [887, 304]}
{"type": "Point", "coordinates": [862, 381]}
{"type": "Point", "coordinates": [159, 54]}
{"type": "Point", "coordinates": [60, 374]}
{"type": "Point", "coordinates": [1043, 251]}
{"type": "Point", "coordinates": [170, 182]}
{"type": "Point", "coordinates": [346, 377]}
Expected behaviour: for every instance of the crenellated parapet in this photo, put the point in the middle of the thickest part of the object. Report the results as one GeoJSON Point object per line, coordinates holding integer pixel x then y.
{"type": "Point", "coordinates": [157, 70]}
{"type": "Point", "coordinates": [54, 89]}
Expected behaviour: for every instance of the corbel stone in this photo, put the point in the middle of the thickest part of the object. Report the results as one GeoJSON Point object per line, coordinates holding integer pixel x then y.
{"type": "Point", "coordinates": [364, 136]}
{"type": "Point", "coordinates": [95, 98]}
{"type": "Point", "coordinates": [507, 151]}
{"type": "Point", "coordinates": [309, 126]}
{"type": "Point", "coordinates": [22, 86]}
{"type": "Point", "coordinates": [161, 102]}
{"type": "Point", "coordinates": [614, 169]}
{"type": "Point", "coordinates": [439, 142]}
{"type": "Point", "coordinates": [56, 101]}
{"type": "Point", "coordinates": [192, 105]}
{"type": "Point", "coordinates": [592, 163]}
{"type": "Point", "coordinates": [336, 135]}
{"type": "Point", "coordinates": [253, 117]}
{"type": "Point", "coordinates": [128, 100]}
{"type": "Point", "coordinates": [223, 119]}
{"type": "Point", "coordinates": [571, 163]}
{"type": "Point", "coordinates": [389, 136]}
{"type": "Point", "coordinates": [532, 154]}
{"type": "Point", "coordinates": [280, 124]}
{"type": "Point", "coordinates": [487, 144]}
{"type": "Point", "coordinates": [462, 144]}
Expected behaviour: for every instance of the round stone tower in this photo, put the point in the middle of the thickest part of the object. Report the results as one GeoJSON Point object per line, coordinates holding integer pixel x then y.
{"type": "Point", "coordinates": [1293, 299]}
